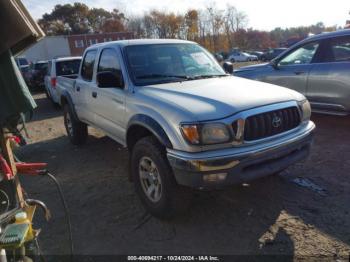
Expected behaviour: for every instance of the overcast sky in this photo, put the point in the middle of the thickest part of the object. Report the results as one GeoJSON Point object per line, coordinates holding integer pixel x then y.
{"type": "Point", "coordinates": [262, 14]}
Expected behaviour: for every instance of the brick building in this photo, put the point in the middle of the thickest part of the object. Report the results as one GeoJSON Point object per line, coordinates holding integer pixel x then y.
{"type": "Point", "coordinates": [78, 43]}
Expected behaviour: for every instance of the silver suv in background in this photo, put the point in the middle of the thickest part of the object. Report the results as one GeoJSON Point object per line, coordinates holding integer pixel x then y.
{"type": "Point", "coordinates": [65, 66]}
{"type": "Point", "coordinates": [186, 123]}
{"type": "Point", "coordinates": [318, 67]}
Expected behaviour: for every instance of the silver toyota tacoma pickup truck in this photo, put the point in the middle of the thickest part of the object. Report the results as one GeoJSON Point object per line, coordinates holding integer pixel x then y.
{"type": "Point", "coordinates": [185, 121]}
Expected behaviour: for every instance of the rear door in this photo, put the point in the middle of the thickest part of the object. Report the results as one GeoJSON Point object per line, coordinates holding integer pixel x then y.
{"type": "Point", "coordinates": [84, 86]}
{"type": "Point", "coordinates": [329, 80]}
{"type": "Point", "coordinates": [108, 103]}
{"type": "Point", "coordinates": [292, 69]}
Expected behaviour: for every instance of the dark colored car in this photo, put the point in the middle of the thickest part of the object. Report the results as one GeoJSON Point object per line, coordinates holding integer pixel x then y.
{"type": "Point", "coordinates": [219, 57]}
{"type": "Point", "coordinates": [318, 67]}
{"type": "Point", "coordinates": [36, 74]}
{"type": "Point", "coordinates": [272, 53]}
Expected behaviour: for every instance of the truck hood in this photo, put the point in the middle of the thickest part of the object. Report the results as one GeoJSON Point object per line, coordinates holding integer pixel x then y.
{"type": "Point", "coordinates": [215, 98]}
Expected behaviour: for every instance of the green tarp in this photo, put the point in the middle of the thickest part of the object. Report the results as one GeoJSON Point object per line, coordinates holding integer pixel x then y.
{"type": "Point", "coordinates": [18, 31]}
{"type": "Point", "coordinates": [15, 97]}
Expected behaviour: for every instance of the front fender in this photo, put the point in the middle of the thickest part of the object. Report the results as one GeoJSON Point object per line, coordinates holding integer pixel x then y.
{"type": "Point", "coordinates": [153, 126]}
{"type": "Point", "coordinates": [67, 99]}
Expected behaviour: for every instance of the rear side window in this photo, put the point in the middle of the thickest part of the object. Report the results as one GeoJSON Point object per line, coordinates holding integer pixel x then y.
{"type": "Point", "coordinates": [87, 69]}
{"type": "Point", "coordinates": [340, 49]}
{"type": "Point", "coordinates": [70, 67]}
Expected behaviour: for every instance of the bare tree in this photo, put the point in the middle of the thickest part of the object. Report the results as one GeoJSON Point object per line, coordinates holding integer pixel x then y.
{"type": "Point", "coordinates": [215, 21]}
{"type": "Point", "coordinates": [234, 21]}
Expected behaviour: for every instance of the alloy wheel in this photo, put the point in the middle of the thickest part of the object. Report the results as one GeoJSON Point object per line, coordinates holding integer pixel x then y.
{"type": "Point", "coordinates": [150, 179]}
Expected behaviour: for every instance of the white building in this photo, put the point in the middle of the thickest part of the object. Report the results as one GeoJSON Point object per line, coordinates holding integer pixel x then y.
{"type": "Point", "coordinates": [48, 48]}
{"type": "Point", "coordinates": [69, 45]}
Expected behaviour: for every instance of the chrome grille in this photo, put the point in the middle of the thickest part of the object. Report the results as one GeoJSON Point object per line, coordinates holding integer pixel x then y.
{"type": "Point", "coordinates": [271, 123]}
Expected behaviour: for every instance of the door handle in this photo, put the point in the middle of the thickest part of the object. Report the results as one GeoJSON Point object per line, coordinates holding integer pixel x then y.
{"type": "Point", "coordinates": [94, 94]}
{"type": "Point", "coordinates": [299, 72]}
{"type": "Point", "coordinates": [78, 88]}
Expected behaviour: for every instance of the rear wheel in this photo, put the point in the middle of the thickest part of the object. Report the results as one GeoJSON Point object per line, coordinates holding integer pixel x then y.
{"type": "Point", "coordinates": [49, 96]}
{"type": "Point", "coordinates": [154, 180]}
{"type": "Point", "coordinates": [77, 131]}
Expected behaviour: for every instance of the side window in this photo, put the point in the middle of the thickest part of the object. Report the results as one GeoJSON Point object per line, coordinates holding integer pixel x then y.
{"type": "Point", "coordinates": [87, 68]}
{"type": "Point", "coordinates": [302, 55]}
{"type": "Point", "coordinates": [339, 50]}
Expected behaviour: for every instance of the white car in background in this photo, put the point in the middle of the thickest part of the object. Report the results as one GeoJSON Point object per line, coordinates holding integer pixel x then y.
{"type": "Point", "coordinates": [241, 57]}
{"type": "Point", "coordinates": [65, 66]}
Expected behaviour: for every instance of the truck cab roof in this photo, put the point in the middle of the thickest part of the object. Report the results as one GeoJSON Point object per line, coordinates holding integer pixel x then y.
{"type": "Point", "coordinates": [140, 42]}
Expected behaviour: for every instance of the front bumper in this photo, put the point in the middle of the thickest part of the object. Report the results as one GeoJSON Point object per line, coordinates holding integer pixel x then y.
{"type": "Point", "coordinates": [241, 164]}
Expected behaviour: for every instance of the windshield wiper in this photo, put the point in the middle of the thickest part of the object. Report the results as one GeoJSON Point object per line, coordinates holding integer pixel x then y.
{"type": "Point", "coordinates": [209, 76]}
{"type": "Point", "coordinates": [163, 76]}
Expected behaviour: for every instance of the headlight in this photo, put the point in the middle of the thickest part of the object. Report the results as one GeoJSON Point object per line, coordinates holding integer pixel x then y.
{"type": "Point", "coordinates": [305, 109]}
{"type": "Point", "coordinates": [206, 134]}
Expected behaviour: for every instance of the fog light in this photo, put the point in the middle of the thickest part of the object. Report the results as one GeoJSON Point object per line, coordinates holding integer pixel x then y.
{"type": "Point", "coordinates": [214, 177]}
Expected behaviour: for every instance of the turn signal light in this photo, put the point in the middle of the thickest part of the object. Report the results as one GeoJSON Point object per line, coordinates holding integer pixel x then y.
{"type": "Point", "coordinates": [191, 133]}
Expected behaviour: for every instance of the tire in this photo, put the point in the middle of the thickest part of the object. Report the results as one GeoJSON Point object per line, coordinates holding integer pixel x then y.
{"type": "Point", "coordinates": [172, 199]}
{"type": "Point", "coordinates": [77, 131]}
{"type": "Point", "coordinates": [48, 95]}
{"type": "Point", "coordinates": [232, 60]}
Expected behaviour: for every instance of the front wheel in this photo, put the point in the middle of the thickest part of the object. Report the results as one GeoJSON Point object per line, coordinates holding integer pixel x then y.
{"type": "Point", "coordinates": [154, 180]}
{"type": "Point", "coordinates": [77, 131]}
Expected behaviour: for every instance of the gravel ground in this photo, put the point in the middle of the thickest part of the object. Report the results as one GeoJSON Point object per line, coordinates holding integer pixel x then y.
{"type": "Point", "coordinates": [303, 212]}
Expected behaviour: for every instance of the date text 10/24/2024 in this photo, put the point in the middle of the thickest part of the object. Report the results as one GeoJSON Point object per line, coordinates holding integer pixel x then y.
{"type": "Point", "coordinates": [173, 258]}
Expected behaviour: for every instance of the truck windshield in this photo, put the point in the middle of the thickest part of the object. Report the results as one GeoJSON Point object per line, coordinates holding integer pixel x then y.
{"type": "Point", "coordinates": [161, 63]}
{"type": "Point", "coordinates": [69, 67]}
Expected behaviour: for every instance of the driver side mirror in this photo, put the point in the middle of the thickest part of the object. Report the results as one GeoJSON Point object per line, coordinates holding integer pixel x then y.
{"type": "Point", "coordinates": [109, 79]}
{"type": "Point", "coordinates": [274, 64]}
{"type": "Point", "coordinates": [228, 67]}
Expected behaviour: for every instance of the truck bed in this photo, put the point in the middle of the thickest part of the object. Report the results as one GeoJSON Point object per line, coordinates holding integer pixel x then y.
{"type": "Point", "coordinates": [66, 82]}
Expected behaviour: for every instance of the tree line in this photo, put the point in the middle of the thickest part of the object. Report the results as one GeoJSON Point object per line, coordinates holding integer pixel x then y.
{"type": "Point", "coordinates": [216, 29]}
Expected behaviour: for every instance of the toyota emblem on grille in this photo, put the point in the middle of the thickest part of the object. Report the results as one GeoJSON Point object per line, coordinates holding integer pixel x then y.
{"type": "Point", "coordinates": [276, 121]}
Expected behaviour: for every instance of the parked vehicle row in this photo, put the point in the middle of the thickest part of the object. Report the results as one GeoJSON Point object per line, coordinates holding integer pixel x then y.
{"type": "Point", "coordinates": [241, 57]}
{"type": "Point", "coordinates": [317, 67]}
{"type": "Point", "coordinates": [186, 122]}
